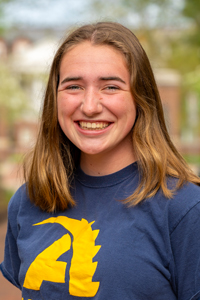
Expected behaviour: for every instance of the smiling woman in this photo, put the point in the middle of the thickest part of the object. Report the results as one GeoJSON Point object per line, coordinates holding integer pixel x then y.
{"type": "Point", "coordinates": [96, 109]}
{"type": "Point", "coordinates": [110, 209]}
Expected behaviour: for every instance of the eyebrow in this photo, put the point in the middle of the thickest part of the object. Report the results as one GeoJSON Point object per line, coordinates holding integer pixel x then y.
{"type": "Point", "coordinates": [67, 79]}
{"type": "Point", "coordinates": [112, 78]}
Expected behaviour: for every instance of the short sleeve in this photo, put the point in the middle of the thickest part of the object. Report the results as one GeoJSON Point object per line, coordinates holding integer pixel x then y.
{"type": "Point", "coordinates": [185, 242]}
{"type": "Point", "coordinates": [11, 263]}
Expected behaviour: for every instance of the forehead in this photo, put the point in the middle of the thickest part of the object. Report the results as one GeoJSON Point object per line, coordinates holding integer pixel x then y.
{"type": "Point", "coordinates": [86, 52]}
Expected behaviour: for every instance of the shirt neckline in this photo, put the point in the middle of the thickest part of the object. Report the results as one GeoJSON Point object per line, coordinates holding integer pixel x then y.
{"type": "Point", "coordinates": [106, 180]}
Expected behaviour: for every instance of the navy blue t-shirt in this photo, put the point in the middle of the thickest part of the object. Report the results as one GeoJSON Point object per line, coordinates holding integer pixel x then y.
{"type": "Point", "coordinates": [101, 249]}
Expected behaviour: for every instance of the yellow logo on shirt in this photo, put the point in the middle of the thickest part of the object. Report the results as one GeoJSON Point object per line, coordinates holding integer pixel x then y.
{"type": "Point", "coordinates": [46, 267]}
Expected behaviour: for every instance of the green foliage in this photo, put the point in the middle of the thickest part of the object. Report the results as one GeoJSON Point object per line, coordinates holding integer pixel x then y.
{"type": "Point", "coordinates": [3, 2]}
{"type": "Point", "coordinates": [143, 13]}
{"type": "Point", "coordinates": [192, 159]}
{"type": "Point", "coordinates": [2, 5]}
{"type": "Point", "coordinates": [192, 80]}
{"type": "Point", "coordinates": [5, 196]}
{"type": "Point", "coordinates": [183, 55]}
{"type": "Point", "coordinates": [12, 98]}
{"type": "Point", "coordinates": [191, 10]}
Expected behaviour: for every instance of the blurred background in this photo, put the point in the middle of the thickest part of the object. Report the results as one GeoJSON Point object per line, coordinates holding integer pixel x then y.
{"type": "Point", "coordinates": [30, 32]}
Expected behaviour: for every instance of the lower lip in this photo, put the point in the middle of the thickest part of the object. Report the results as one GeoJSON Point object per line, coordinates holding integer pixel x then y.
{"type": "Point", "coordinates": [93, 131]}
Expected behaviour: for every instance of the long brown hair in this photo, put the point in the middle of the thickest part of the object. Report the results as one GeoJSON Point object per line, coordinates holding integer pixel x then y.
{"type": "Point", "coordinates": [50, 167]}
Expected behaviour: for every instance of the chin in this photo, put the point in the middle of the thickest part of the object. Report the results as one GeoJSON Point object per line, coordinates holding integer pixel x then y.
{"type": "Point", "coordinates": [91, 151]}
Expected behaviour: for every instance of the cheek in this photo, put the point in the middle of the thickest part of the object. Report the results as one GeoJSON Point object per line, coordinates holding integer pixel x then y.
{"type": "Point", "coordinates": [125, 109]}
{"type": "Point", "coordinates": [128, 113]}
{"type": "Point", "coordinates": [65, 107]}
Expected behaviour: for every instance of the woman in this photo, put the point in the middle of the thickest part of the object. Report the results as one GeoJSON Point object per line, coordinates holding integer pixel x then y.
{"type": "Point", "coordinates": [110, 209]}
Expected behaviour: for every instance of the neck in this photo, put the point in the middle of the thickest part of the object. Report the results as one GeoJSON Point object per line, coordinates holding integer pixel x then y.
{"type": "Point", "coordinates": [105, 163]}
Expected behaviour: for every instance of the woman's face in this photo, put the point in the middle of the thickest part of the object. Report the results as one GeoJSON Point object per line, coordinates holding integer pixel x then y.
{"type": "Point", "coordinates": [96, 110]}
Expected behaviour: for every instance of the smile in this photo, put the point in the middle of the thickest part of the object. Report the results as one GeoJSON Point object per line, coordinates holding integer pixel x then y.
{"type": "Point", "coordinates": [93, 125]}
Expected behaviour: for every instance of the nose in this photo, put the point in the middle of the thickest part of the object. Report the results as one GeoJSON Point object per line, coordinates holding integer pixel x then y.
{"type": "Point", "coordinates": [91, 104]}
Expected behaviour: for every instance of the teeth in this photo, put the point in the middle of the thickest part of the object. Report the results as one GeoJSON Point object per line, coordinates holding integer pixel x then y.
{"type": "Point", "coordinates": [93, 126]}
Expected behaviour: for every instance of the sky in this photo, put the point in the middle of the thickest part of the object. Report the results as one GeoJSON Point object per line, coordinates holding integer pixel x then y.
{"type": "Point", "coordinates": [49, 13]}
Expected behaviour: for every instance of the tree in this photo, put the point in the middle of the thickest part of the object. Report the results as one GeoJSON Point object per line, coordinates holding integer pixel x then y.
{"type": "Point", "coordinates": [149, 20]}
{"type": "Point", "coordinates": [13, 100]}
{"type": "Point", "coordinates": [191, 10]}
{"type": "Point", "coordinates": [140, 13]}
{"type": "Point", "coordinates": [2, 5]}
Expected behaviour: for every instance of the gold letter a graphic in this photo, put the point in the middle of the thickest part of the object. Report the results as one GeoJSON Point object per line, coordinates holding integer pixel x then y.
{"type": "Point", "coordinates": [46, 267]}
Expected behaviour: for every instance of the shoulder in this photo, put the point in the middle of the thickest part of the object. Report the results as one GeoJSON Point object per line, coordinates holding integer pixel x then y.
{"type": "Point", "coordinates": [177, 221]}
{"type": "Point", "coordinates": [186, 202]}
{"type": "Point", "coordinates": [171, 212]}
{"type": "Point", "coordinates": [17, 206]}
{"type": "Point", "coordinates": [184, 224]}
{"type": "Point", "coordinates": [17, 199]}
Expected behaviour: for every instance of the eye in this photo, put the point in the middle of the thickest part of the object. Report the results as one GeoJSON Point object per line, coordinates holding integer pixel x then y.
{"type": "Point", "coordinates": [73, 87]}
{"type": "Point", "coordinates": [112, 88]}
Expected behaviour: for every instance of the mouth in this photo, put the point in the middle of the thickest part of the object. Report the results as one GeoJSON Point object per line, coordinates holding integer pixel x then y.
{"type": "Point", "coordinates": [93, 125]}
